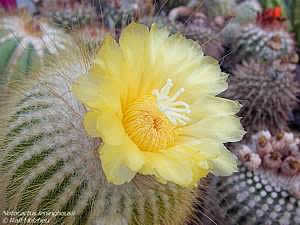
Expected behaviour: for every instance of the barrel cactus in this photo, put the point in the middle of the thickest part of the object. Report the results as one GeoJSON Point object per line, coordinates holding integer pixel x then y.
{"type": "Point", "coordinates": [246, 12]}
{"type": "Point", "coordinates": [71, 14]}
{"type": "Point", "coordinates": [268, 95]}
{"type": "Point", "coordinates": [52, 159]}
{"type": "Point", "coordinates": [268, 39]}
{"type": "Point", "coordinates": [267, 188]}
{"type": "Point", "coordinates": [49, 163]}
{"type": "Point", "coordinates": [24, 44]}
{"type": "Point", "coordinates": [117, 14]}
{"type": "Point", "coordinates": [243, 14]}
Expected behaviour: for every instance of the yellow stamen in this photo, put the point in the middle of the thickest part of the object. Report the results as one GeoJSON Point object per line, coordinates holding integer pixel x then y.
{"type": "Point", "coordinates": [147, 126]}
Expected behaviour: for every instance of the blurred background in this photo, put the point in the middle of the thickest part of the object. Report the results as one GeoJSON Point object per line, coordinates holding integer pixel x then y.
{"type": "Point", "coordinates": [255, 41]}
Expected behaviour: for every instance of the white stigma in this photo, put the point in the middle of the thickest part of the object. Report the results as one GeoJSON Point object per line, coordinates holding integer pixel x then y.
{"type": "Point", "coordinates": [174, 110]}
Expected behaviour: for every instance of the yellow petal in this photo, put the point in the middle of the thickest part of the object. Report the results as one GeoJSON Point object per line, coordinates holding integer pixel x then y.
{"type": "Point", "coordinates": [198, 173]}
{"type": "Point", "coordinates": [224, 129]}
{"type": "Point", "coordinates": [114, 167]}
{"type": "Point", "coordinates": [225, 164]}
{"type": "Point", "coordinates": [153, 76]}
{"type": "Point", "coordinates": [121, 163]}
{"type": "Point", "coordinates": [177, 58]}
{"type": "Point", "coordinates": [168, 166]}
{"type": "Point", "coordinates": [109, 61]}
{"type": "Point", "coordinates": [210, 106]}
{"type": "Point", "coordinates": [110, 126]}
{"type": "Point", "coordinates": [157, 38]}
{"type": "Point", "coordinates": [133, 42]}
{"type": "Point", "coordinates": [207, 79]}
{"type": "Point", "coordinates": [96, 92]}
{"type": "Point", "coordinates": [199, 149]}
{"type": "Point", "coordinates": [90, 124]}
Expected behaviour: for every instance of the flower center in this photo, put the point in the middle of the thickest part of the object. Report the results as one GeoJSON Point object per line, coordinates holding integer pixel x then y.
{"type": "Point", "coordinates": [174, 110]}
{"type": "Point", "coordinates": [151, 121]}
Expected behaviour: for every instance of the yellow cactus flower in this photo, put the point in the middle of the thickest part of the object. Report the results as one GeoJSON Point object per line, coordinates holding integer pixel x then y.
{"type": "Point", "coordinates": [152, 99]}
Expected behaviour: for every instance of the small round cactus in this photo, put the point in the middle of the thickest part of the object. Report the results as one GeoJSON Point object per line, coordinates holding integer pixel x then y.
{"type": "Point", "coordinates": [243, 14]}
{"type": "Point", "coordinates": [70, 15]}
{"type": "Point", "coordinates": [267, 39]}
{"type": "Point", "coordinates": [247, 11]}
{"type": "Point", "coordinates": [268, 95]}
{"type": "Point", "coordinates": [255, 41]}
{"type": "Point", "coordinates": [24, 43]}
{"type": "Point", "coordinates": [117, 14]}
{"type": "Point", "coordinates": [266, 189]}
{"type": "Point", "coordinates": [49, 163]}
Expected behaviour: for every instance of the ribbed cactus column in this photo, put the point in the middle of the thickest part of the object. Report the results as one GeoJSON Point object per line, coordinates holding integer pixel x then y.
{"type": "Point", "coordinates": [49, 163]}
{"type": "Point", "coordinates": [24, 43]}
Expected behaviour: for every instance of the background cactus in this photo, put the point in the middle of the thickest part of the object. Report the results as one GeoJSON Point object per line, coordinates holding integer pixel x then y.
{"type": "Point", "coordinates": [296, 18]}
{"type": "Point", "coordinates": [24, 43]}
{"type": "Point", "coordinates": [71, 14]}
{"type": "Point", "coordinates": [48, 163]}
{"type": "Point", "coordinates": [199, 27]}
{"type": "Point", "coordinates": [162, 21]}
{"type": "Point", "coordinates": [113, 15]}
{"type": "Point", "coordinates": [267, 189]}
{"type": "Point", "coordinates": [91, 34]}
{"type": "Point", "coordinates": [170, 4]}
{"type": "Point", "coordinates": [242, 15]}
{"type": "Point", "coordinates": [247, 11]}
{"type": "Point", "coordinates": [263, 43]}
{"type": "Point", "coordinates": [215, 8]}
{"type": "Point", "coordinates": [268, 95]}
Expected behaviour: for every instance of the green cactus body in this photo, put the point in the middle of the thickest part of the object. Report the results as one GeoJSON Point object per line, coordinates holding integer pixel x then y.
{"type": "Point", "coordinates": [261, 43]}
{"type": "Point", "coordinates": [246, 12]}
{"type": "Point", "coordinates": [296, 18]}
{"type": "Point", "coordinates": [49, 163]}
{"type": "Point", "coordinates": [271, 3]}
{"type": "Point", "coordinates": [24, 43]}
{"type": "Point", "coordinates": [230, 32]}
